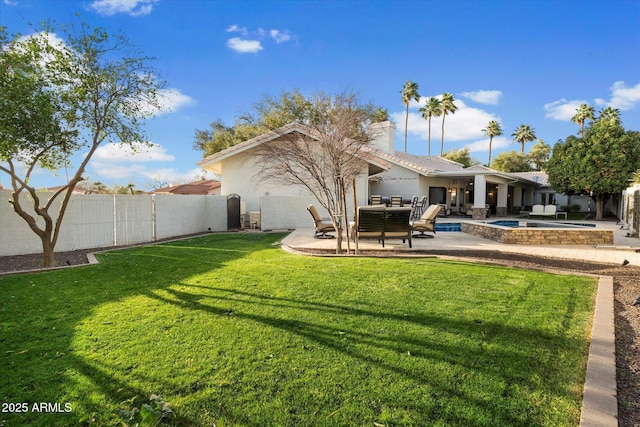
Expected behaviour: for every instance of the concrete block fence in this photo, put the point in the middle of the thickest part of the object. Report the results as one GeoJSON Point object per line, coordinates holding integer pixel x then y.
{"type": "Point", "coordinates": [95, 221]}
{"type": "Point", "coordinates": [107, 220]}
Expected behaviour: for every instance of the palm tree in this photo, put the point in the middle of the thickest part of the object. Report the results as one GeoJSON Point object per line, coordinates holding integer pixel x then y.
{"type": "Point", "coordinates": [432, 108]}
{"type": "Point", "coordinates": [492, 129]}
{"type": "Point", "coordinates": [524, 134]}
{"type": "Point", "coordinates": [610, 114]}
{"type": "Point", "coordinates": [409, 92]}
{"type": "Point", "coordinates": [583, 113]}
{"type": "Point", "coordinates": [447, 107]}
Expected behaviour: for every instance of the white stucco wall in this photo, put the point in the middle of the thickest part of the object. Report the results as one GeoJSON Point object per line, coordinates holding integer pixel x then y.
{"type": "Point", "coordinates": [240, 175]}
{"type": "Point", "coordinates": [397, 181]}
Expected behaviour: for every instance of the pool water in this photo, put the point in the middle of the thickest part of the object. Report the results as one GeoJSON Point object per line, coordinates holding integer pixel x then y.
{"type": "Point", "coordinates": [527, 224]}
{"type": "Point", "coordinates": [448, 226]}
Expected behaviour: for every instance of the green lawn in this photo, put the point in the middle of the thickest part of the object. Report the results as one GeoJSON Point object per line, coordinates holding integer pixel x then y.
{"type": "Point", "coordinates": [234, 331]}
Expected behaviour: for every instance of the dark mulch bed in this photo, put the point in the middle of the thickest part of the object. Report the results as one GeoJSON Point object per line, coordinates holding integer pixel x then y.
{"type": "Point", "coordinates": [626, 288]}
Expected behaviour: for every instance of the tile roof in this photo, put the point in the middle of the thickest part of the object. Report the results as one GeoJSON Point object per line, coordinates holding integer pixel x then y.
{"type": "Point", "coordinates": [540, 177]}
{"type": "Point", "coordinates": [421, 164]}
{"type": "Point", "coordinates": [197, 187]}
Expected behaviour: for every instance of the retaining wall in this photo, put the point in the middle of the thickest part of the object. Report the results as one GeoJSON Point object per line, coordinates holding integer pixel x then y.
{"type": "Point", "coordinates": [539, 235]}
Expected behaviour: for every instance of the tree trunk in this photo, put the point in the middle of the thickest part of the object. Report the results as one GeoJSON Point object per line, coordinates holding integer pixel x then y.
{"type": "Point", "coordinates": [599, 207]}
{"type": "Point", "coordinates": [48, 254]}
{"type": "Point", "coordinates": [339, 238]}
{"type": "Point", "coordinates": [406, 122]}
{"type": "Point", "coordinates": [429, 139]}
{"type": "Point", "coordinates": [490, 142]}
{"type": "Point", "coordinates": [442, 139]}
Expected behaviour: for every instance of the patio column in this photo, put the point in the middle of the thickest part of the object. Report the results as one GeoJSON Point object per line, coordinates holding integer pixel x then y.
{"type": "Point", "coordinates": [479, 208]}
{"type": "Point", "coordinates": [502, 208]}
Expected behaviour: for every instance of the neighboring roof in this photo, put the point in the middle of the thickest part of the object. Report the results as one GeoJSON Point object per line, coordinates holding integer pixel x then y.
{"type": "Point", "coordinates": [197, 187]}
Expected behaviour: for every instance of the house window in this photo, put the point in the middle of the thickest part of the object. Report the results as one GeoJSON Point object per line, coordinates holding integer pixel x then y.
{"type": "Point", "coordinates": [438, 195]}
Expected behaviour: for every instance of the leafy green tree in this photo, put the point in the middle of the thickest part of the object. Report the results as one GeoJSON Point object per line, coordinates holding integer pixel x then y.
{"type": "Point", "coordinates": [492, 129]}
{"type": "Point", "coordinates": [64, 99]}
{"type": "Point", "coordinates": [270, 113]}
{"type": "Point", "coordinates": [220, 136]}
{"type": "Point", "coordinates": [461, 156]}
{"type": "Point", "coordinates": [432, 108]}
{"type": "Point", "coordinates": [524, 134]}
{"type": "Point", "coordinates": [583, 113]}
{"type": "Point", "coordinates": [511, 162]}
{"type": "Point", "coordinates": [539, 155]}
{"type": "Point", "coordinates": [599, 164]}
{"type": "Point", "coordinates": [408, 92]}
{"type": "Point", "coordinates": [340, 125]}
{"type": "Point", "coordinates": [448, 106]}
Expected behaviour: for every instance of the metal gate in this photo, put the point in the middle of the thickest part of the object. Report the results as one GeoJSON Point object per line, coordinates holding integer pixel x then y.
{"type": "Point", "coordinates": [233, 212]}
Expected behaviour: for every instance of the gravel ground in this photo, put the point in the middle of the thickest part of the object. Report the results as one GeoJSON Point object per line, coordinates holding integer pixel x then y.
{"type": "Point", "coordinates": [627, 316]}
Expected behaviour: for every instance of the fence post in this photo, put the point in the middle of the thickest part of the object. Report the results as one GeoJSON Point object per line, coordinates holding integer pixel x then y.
{"type": "Point", "coordinates": [153, 218]}
{"type": "Point", "coordinates": [115, 222]}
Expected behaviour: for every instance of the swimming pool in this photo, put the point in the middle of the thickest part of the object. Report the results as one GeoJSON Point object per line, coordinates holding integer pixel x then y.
{"type": "Point", "coordinates": [545, 224]}
{"type": "Point", "coordinates": [539, 232]}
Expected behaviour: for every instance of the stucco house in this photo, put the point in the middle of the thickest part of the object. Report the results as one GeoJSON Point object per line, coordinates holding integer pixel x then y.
{"type": "Point", "coordinates": [477, 191]}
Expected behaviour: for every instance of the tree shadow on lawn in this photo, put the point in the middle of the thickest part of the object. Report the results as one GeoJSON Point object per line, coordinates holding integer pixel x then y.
{"type": "Point", "coordinates": [481, 348]}
{"type": "Point", "coordinates": [41, 314]}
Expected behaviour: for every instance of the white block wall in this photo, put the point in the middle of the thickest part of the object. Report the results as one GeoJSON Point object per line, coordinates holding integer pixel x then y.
{"type": "Point", "coordinates": [95, 221]}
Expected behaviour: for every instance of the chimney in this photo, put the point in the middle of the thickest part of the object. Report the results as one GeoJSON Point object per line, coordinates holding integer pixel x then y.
{"type": "Point", "coordinates": [384, 136]}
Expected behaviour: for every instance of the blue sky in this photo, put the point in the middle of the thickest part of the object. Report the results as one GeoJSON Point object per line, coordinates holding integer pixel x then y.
{"type": "Point", "coordinates": [517, 62]}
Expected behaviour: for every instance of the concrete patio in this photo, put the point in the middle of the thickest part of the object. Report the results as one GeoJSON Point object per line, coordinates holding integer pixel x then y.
{"type": "Point", "coordinates": [623, 248]}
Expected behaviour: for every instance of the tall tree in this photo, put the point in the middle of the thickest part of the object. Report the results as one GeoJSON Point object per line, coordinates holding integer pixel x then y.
{"type": "Point", "coordinates": [511, 162]}
{"type": "Point", "coordinates": [271, 112]}
{"type": "Point", "coordinates": [461, 156]}
{"type": "Point", "coordinates": [84, 93]}
{"type": "Point", "coordinates": [583, 113]}
{"type": "Point", "coordinates": [409, 92]}
{"type": "Point", "coordinates": [492, 129]}
{"type": "Point", "coordinates": [432, 108]}
{"type": "Point", "coordinates": [448, 106]}
{"type": "Point", "coordinates": [600, 164]}
{"type": "Point", "coordinates": [610, 115]}
{"type": "Point", "coordinates": [539, 154]}
{"type": "Point", "coordinates": [524, 134]}
{"type": "Point", "coordinates": [323, 153]}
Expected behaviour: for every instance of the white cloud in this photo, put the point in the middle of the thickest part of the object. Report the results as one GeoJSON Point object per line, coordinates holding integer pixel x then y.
{"type": "Point", "coordinates": [10, 3]}
{"type": "Point", "coordinates": [252, 41]}
{"type": "Point", "coordinates": [236, 29]}
{"type": "Point", "coordinates": [121, 163]}
{"type": "Point", "coordinates": [490, 97]}
{"type": "Point", "coordinates": [172, 100]}
{"type": "Point", "coordinates": [482, 145]}
{"type": "Point", "coordinates": [129, 7]}
{"type": "Point", "coordinates": [279, 36]}
{"type": "Point", "coordinates": [244, 46]}
{"type": "Point", "coordinates": [624, 97]}
{"type": "Point", "coordinates": [136, 153]}
{"type": "Point", "coordinates": [466, 124]}
{"type": "Point", "coordinates": [563, 109]}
